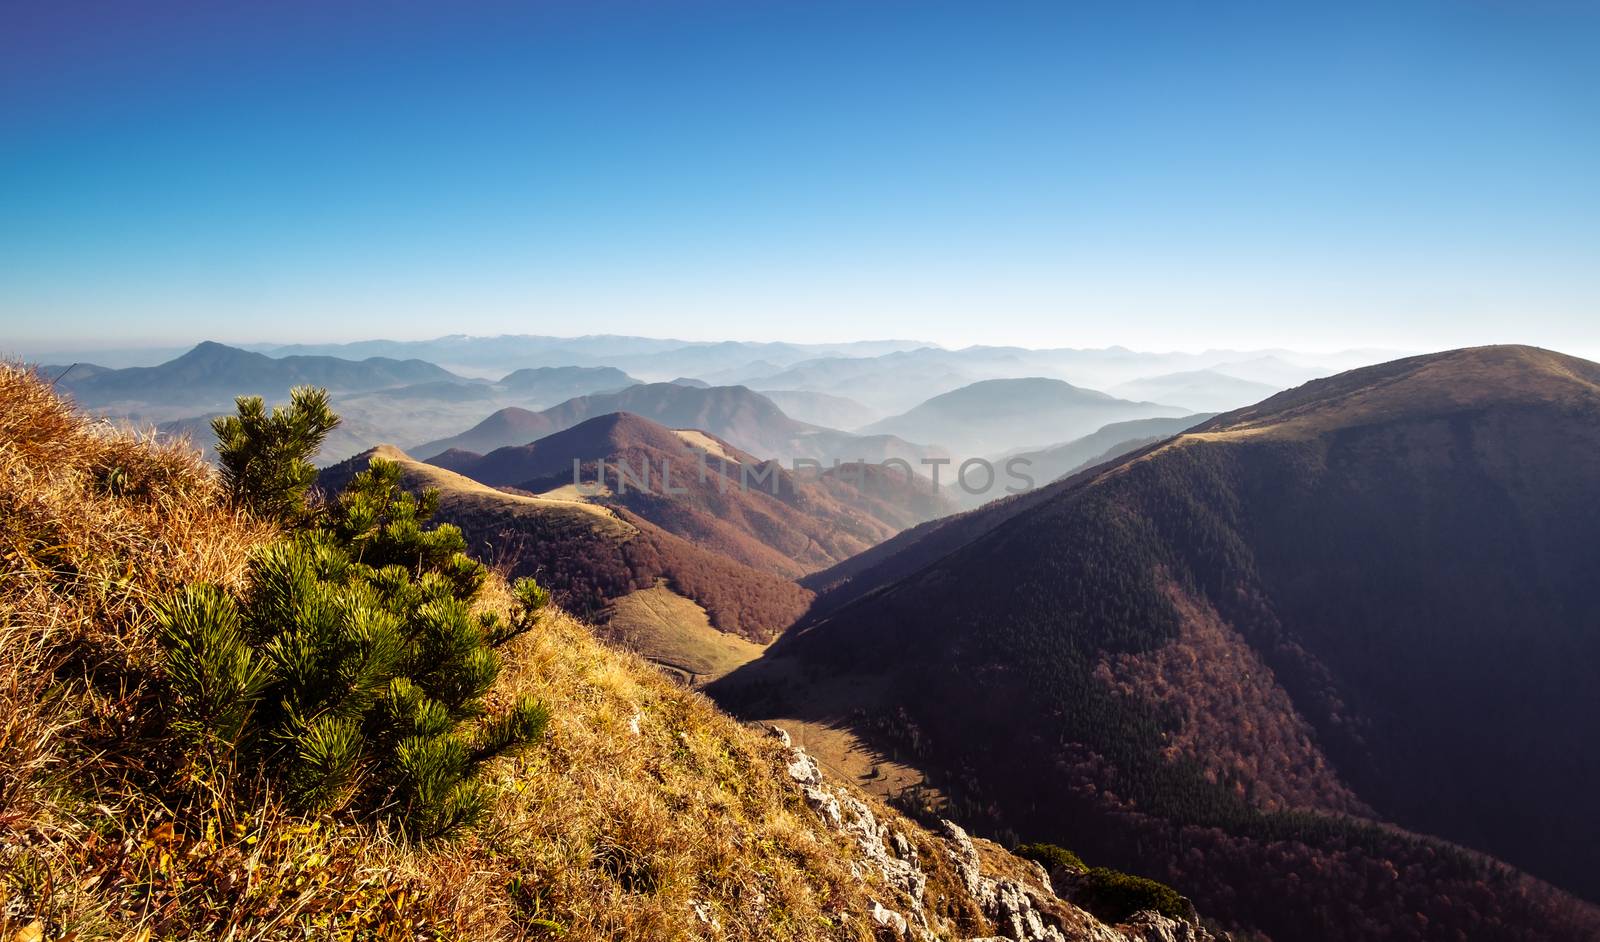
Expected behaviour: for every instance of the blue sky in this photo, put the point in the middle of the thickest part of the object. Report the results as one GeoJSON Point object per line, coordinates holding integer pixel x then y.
{"type": "Point", "coordinates": [1161, 175]}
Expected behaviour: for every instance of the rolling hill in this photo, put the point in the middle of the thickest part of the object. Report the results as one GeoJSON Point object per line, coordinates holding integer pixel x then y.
{"type": "Point", "coordinates": [1200, 390]}
{"type": "Point", "coordinates": [716, 496]}
{"type": "Point", "coordinates": [511, 425]}
{"type": "Point", "coordinates": [746, 419]}
{"type": "Point", "coordinates": [997, 415]}
{"type": "Point", "coordinates": [822, 409]}
{"type": "Point", "coordinates": [558, 383]}
{"type": "Point", "coordinates": [593, 558]}
{"type": "Point", "coordinates": [1348, 632]}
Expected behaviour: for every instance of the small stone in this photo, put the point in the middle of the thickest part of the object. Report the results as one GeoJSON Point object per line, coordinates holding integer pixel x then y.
{"type": "Point", "coordinates": [888, 918]}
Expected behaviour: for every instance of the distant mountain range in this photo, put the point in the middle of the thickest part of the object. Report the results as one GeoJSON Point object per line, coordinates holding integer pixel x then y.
{"type": "Point", "coordinates": [1240, 657]}
{"type": "Point", "coordinates": [418, 392]}
{"type": "Point", "coordinates": [747, 363]}
{"type": "Point", "coordinates": [213, 372]}
{"type": "Point", "coordinates": [1201, 390]}
{"type": "Point", "coordinates": [832, 405]}
{"type": "Point", "coordinates": [652, 358]}
{"type": "Point", "coordinates": [379, 399]}
{"type": "Point", "coordinates": [997, 415]}
{"type": "Point", "coordinates": [889, 383]}
{"type": "Point", "coordinates": [735, 414]}
{"type": "Point", "coordinates": [895, 381]}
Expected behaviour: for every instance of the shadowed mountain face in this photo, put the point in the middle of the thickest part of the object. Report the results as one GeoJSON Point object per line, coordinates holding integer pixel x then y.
{"type": "Point", "coordinates": [1372, 595]}
{"type": "Point", "coordinates": [710, 493]}
{"type": "Point", "coordinates": [746, 419]}
{"type": "Point", "coordinates": [1002, 414]}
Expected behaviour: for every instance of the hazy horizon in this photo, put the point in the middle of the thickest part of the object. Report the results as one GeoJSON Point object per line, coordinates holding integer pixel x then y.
{"type": "Point", "coordinates": [90, 345]}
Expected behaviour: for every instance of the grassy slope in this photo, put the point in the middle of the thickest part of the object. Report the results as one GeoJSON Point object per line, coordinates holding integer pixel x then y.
{"type": "Point", "coordinates": [675, 633]}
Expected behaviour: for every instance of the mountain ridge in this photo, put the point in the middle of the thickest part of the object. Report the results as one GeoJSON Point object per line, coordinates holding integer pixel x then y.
{"type": "Point", "coordinates": [736, 414]}
{"type": "Point", "coordinates": [717, 496]}
{"type": "Point", "coordinates": [211, 368]}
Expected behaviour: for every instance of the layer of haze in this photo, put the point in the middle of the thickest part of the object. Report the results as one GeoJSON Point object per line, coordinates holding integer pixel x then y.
{"type": "Point", "coordinates": [1159, 175]}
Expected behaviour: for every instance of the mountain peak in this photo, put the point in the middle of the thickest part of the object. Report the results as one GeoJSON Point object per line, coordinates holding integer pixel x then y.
{"type": "Point", "coordinates": [1434, 384]}
{"type": "Point", "coordinates": [381, 453]}
{"type": "Point", "coordinates": [212, 351]}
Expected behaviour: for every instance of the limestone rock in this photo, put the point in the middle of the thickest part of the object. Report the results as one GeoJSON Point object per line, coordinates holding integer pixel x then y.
{"type": "Point", "coordinates": [1021, 910]}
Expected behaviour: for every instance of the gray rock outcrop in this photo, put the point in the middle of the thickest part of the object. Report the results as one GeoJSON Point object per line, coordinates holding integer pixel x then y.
{"type": "Point", "coordinates": [1018, 910]}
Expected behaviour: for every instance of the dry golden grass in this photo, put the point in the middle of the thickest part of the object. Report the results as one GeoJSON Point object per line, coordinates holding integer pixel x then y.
{"type": "Point", "coordinates": [675, 633]}
{"type": "Point", "coordinates": [458, 488]}
{"type": "Point", "coordinates": [94, 524]}
{"type": "Point", "coordinates": [647, 801]}
{"type": "Point", "coordinates": [646, 815]}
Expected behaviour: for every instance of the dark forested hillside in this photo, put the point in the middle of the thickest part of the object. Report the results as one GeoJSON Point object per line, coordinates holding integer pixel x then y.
{"type": "Point", "coordinates": [1368, 599]}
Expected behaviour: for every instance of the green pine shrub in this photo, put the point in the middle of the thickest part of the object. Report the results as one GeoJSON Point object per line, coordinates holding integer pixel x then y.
{"type": "Point", "coordinates": [1109, 894]}
{"type": "Point", "coordinates": [1115, 896]}
{"type": "Point", "coordinates": [352, 667]}
{"type": "Point", "coordinates": [1052, 857]}
{"type": "Point", "coordinates": [265, 457]}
